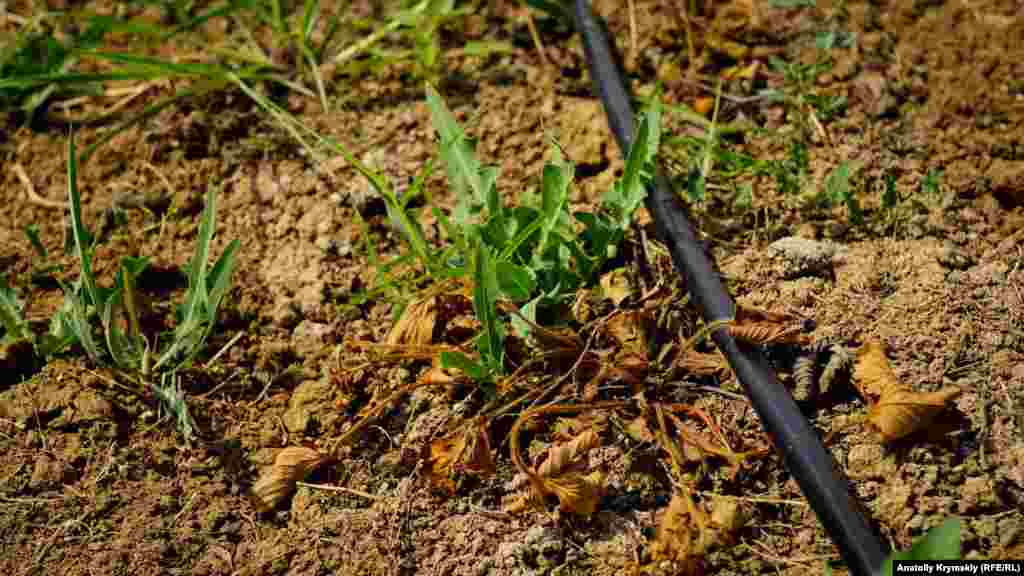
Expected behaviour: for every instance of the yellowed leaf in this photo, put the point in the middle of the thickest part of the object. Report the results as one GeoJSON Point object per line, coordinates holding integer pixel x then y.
{"type": "Point", "coordinates": [903, 412]}
{"type": "Point", "coordinates": [577, 493]}
{"type": "Point", "coordinates": [688, 531]}
{"type": "Point", "coordinates": [465, 450]}
{"type": "Point", "coordinates": [615, 286]}
{"type": "Point", "coordinates": [898, 410]}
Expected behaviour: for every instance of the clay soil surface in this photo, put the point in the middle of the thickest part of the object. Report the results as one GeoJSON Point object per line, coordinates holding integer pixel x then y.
{"type": "Point", "coordinates": [921, 99]}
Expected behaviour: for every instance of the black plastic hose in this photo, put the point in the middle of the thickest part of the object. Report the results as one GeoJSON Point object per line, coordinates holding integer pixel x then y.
{"type": "Point", "coordinates": [803, 453]}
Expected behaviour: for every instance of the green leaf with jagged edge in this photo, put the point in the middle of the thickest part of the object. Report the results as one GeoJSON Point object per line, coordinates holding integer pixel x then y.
{"type": "Point", "coordinates": [940, 543]}
{"type": "Point", "coordinates": [629, 192]}
{"type": "Point", "coordinates": [11, 314]}
{"type": "Point", "coordinates": [471, 182]}
{"type": "Point", "coordinates": [490, 342]}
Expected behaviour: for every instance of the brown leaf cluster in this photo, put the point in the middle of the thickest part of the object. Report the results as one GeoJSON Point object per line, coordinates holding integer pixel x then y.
{"type": "Point", "coordinates": [291, 465]}
{"type": "Point", "coordinates": [896, 410]}
{"type": "Point", "coordinates": [467, 451]}
{"type": "Point", "coordinates": [564, 474]}
{"type": "Point", "coordinates": [687, 531]}
{"type": "Point", "coordinates": [629, 363]}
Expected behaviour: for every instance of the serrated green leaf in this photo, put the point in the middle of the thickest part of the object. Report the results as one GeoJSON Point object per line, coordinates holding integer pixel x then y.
{"type": "Point", "coordinates": [940, 543]}
{"type": "Point", "coordinates": [485, 299]}
{"type": "Point", "coordinates": [467, 365]}
{"type": "Point", "coordinates": [515, 282]}
{"type": "Point", "coordinates": [11, 313]}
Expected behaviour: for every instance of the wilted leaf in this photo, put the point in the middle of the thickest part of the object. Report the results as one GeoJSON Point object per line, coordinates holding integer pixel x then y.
{"type": "Point", "coordinates": [565, 429]}
{"type": "Point", "coordinates": [679, 536]}
{"type": "Point", "coordinates": [291, 465]}
{"type": "Point", "coordinates": [687, 531]}
{"type": "Point", "coordinates": [465, 450]}
{"type": "Point", "coordinates": [899, 411]}
{"type": "Point", "coordinates": [769, 333]}
{"type": "Point", "coordinates": [416, 326]}
{"type": "Point", "coordinates": [750, 314]}
{"type": "Point", "coordinates": [563, 474]}
{"type": "Point", "coordinates": [639, 431]}
{"type": "Point", "coordinates": [444, 452]}
{"type": "Point", "coordinates": [701, 364]}
{"type": "Point", "coordinates": [615, 286]}
{"type": "Point", "coordinates": [577, 493]}
{"type": "Point", "coordinates": [872, 372]}
{"type": "Point", "coordinates": [561, 458]}
{"type": "Point", "coordinates": [627, 328]}
{"type": "Point", "coordinates": [904, 412]}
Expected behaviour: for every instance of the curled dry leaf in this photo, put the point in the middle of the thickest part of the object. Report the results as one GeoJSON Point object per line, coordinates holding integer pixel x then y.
{"type": "Point", "coordinates": [291, 465]}
{"type": "Point", "coordinates": [688, 531]}
{"type": "Point", "coordinates": [904, 412]}
{"type": "Point", "coordinates": [628, 327]}
{"type": "Point", "coordinates": [416, 326]}
{"type": "Point", "coordinates": [872, 372]}
{"type": "Point", "coordinates": [615, 286]}
{"type": "Point", "coordinates": [751, 315]}
{"type": "Point", "coordinates": [769, 333]}
{"type": "Point", "coordinates": [898, 411]}
{"type": "Point", "coordinates": [563, 474]}
{"type": "Point", "coordinates": [467, 450]}
{"type": "Point", "coordinates": [701, 364]}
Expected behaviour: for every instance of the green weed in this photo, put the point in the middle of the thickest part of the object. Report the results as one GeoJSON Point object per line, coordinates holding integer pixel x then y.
{"type": "Point", "coordinates": [837, 191]}
{"type": "Point", "coordinates": [940, 543]}
{"type": "Point", "coordinates": [130, 350]}
{"type": "Point", "coordinates": [532, 255]}
{"type": "Point", "coordinates": [932, 182]}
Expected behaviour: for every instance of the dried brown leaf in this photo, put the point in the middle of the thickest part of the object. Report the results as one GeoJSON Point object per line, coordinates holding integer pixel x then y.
{"type": "Point", "coordinates": [628, 327]}
{"type": "Point", "coordinates": [688, 531]}
{"type": "Point", "coordinates": [639, 430]}
{"type": "Point", "coordinates": [903, 412]}
{"type": "Point", "coordinates": [465, 450]}
{"type": "Point", "coordinates": [615, 286]}
{"type": "Point", "coordinates": [872, 372]}
{"type": "Point", "coordinates": [444, 452]}
{"type": "Point", "coordinates": [679, 534]}
{"type": "Point", "coordinates": [898, 411]}
{"type": "Point", "coordinates": [477, 458]}
{"type": "Point", "coordinates": [291, 465]}
{"type": "Point", "coordinates": [768, 333]}
{"type": "Point", "coordinates": [416, 326]}
{"type": "Point", "coordinates": [701, 364]}
{"type": "Point", "coordinates": [750, 314]}
{"type": "Point", "coordinates": [561, 458]}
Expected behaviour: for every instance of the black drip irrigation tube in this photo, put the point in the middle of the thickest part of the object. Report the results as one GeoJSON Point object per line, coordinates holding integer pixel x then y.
{"type": "Point", "coordinates": [803, 453]}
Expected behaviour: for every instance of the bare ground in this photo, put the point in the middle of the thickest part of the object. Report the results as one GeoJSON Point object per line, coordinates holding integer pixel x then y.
{"type": "Point", "coordinates": [94, 482]}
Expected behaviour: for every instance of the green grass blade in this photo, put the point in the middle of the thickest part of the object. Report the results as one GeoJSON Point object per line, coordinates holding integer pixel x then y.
{"type": "Point", "coordinates": [555, 182]}
{"type": "Point", "coordinates": [75, 320]}
{"type": "Point", "coordinates": [82, 238]}
{"type": "Point", "coordinates": [172, 399]}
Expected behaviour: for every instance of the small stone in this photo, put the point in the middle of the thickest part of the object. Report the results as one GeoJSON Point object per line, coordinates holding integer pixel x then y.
{"type": "Point", "coordinates": [804, 257]}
